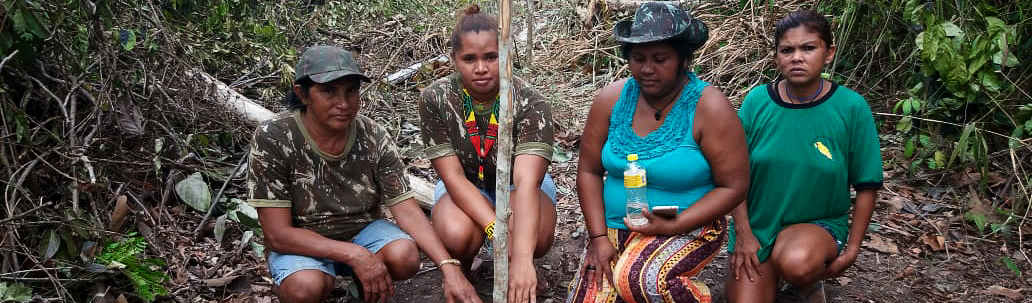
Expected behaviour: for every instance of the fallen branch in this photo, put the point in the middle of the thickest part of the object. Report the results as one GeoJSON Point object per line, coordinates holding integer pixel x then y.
{"type": "Point", "coordinates": [230, 99]}
{"type": "Point", "coordinates": [408, 72]}
{"type": "Point", "coordinates": [2, 63]}
{"type": "Point", "coordinates": [255, 114]}
{"type": "Point", "coordinates": [215, 202]}
{"type": "Point", "coordinates": [26, 213]}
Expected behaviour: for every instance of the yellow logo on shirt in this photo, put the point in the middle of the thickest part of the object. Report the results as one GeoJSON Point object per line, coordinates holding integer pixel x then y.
{"type": "Point", "coordinates": [823, 149]}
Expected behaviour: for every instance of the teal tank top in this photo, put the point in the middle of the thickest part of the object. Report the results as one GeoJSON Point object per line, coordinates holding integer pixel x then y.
{"type": "Point", "coordinates": [676, 171]}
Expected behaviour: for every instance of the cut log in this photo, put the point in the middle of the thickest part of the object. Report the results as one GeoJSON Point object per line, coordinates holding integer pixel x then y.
{"type": "Point", "coordinates": [408, 72]}
{"type": "Point", "coordinates": [228, 98]}
{"type": "Point", "coordinates": [232, 100]}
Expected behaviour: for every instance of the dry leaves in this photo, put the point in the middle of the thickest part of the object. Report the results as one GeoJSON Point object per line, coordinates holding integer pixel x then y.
{"type": "Point", "coordinates": [936, 242]}
{"type": "Point", "coordinates": [1006, 292]}
{"type": "Point", "coordinates": [881, 244]}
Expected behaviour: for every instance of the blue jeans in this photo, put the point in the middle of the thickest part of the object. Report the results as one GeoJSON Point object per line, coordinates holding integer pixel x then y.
{"type": "Point", "coordinates": [547, 186]}
{"type": "Point", "coordinates": [373, 237]}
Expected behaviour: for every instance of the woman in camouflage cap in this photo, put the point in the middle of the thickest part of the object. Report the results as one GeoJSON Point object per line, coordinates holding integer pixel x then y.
{"type": "Point", "coordinates": [459, 127]}
{"type": "Point", "coordinates": [319, 174]}
{"type": "Point", "coordinates": [688, 139]}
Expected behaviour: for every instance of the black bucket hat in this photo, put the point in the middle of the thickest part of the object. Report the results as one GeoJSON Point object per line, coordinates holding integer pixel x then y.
{"type": "Point", "coordinates": [656, 21]}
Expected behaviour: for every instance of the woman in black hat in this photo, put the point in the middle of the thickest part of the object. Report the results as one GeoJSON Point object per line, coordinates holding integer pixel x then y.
{"type": "Point", "coordinates": [687, 137]}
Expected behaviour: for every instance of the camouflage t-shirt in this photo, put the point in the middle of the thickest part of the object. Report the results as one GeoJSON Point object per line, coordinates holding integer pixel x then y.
{"type": "Point", "coordinates": [333, 195]}
{"type": "Point", "coordinates": [444, 133]}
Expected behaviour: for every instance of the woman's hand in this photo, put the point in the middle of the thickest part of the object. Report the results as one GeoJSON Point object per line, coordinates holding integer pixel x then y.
{"type": "Point", "coordinates": [744, 259]}
{"type": "Point", "coordinates": [522, 282]}
{"type": "Point", "coordinates": [376, 281]}
{"type": "Point", "coordinates": [841, 263]}
{"type": "Point", "coordinates": [599, 259]}
{"type": "Point", "coordinates": [657, 226]}
{"type": "Point", "coordinates": [456, 288]}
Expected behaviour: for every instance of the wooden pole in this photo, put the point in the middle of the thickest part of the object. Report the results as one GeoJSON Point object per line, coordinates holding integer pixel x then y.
{"type": "Point", "coordinates": [504, 149]}
{"type": "Point", "coordinates": [530, 34]}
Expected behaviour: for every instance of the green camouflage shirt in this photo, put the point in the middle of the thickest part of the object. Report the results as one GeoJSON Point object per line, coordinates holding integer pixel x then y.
{"type": "Point", "coordinates": [333, 195]}
{"type": "Point", "coordinates": [444, 133]}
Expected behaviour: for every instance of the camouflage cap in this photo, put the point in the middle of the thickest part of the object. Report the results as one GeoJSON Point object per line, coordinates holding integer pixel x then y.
{"type": "Point", "coordinates": [655, 21]}
{"type": "Point", "coordinates": [326, 63]}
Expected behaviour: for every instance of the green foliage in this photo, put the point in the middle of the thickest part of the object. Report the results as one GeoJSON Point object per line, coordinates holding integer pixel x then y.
{"type": "Point", "coordinates": [1011, 265]}
{"type": "Point", "coordinates": [25, 26]}
{"type": "Point", "coordinates": [146, 274]}
{"type": "Point", "coordinates": [15, 292]}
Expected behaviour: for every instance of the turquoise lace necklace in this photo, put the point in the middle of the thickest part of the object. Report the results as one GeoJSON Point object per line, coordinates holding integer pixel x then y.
{"type": "Point", "coordinates": [669, 136]}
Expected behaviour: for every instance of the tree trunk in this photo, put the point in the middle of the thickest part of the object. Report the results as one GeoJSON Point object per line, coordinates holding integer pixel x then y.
{"type": "Point", "coordinates": [504, 149]}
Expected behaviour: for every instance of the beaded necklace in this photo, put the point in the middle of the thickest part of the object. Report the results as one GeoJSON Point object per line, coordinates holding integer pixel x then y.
{"type": "Point", "coordinates": [482, 141]}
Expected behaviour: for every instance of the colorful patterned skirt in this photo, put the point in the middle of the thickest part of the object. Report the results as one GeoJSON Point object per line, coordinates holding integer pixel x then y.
{"type": "Point", "coordinates": [654, 268]}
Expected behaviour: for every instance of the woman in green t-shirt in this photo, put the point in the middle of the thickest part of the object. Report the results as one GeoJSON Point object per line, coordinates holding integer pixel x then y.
{"type": "Point", "coordinates": [809, 140]}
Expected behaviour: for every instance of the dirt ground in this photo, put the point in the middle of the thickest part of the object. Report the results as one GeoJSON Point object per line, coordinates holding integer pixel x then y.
{"type": "Point", "coordinates": [895, 265]}
{"type": "Point", "coordinates": [920, 247]}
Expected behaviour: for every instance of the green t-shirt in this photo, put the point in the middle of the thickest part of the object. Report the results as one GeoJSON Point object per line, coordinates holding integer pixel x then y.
{"type": "Point", "coordinates": [803, 158]}
{"type": "Point", "coordinates": [333, 195]}
{"type": "Point", "coordinates": [444, 132]}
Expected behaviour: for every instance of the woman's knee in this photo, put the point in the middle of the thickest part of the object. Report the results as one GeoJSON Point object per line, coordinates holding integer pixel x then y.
{"type": "Point", "coordinates": [456, 230]}
{"type": "Point", "coordinates": [401, 258]}
{"type": "Point", "coordinates": [305, 286]}
{"type": "Point", "coordinates": [546, 230]}
{"type": "Point", "coordinates": [799, 266]}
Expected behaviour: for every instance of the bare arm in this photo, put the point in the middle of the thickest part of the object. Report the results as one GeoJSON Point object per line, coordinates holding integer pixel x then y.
{"type": "Point", "coordinates": [463, 193]}
{"type": "Point", "coordinates": [589, 166]}
{"type": "Point", "coordinates": [282, 237]}
{"type": "Point", "coordinates": [863, 209]}
{"type": "Point", "coordinates": [722, 141]}
{"type": "Point", "coordinates": [528, 172]}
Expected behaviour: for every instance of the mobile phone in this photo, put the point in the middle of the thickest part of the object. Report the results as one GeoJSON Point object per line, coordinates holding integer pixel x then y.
{"type": "Point", "coordinates": [668, 212]}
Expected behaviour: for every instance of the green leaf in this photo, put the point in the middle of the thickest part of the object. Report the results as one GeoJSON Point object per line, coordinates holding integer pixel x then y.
{"type": "Point", "coordinates": [243, 213]}
{"type": "Point", "coordinates": [940, 159]}
{"type": "Point", "coordinates": [15, 292]}
{"type": "Point", "coordinates": [559, 155]}
{"type": "Point", "coordinates": [909, 148]}
{"type": "Point", "coordinates": [194, 192]}
{"type": "Point", "coordinates": [50, 244]}
{"type": "Point", "coordinates": [978, 219]}
{"type": "Point", "coordinates": [1015, 135]}
{"type": "Point", "coordinates": [220, 230]}
{"type": "Point", "coordinates": [952, 30]}
{"type": "Point", "coordinates": [258, 249]}
{"type": "Point", "coordinates": [1012, 60]}
{"type": "Point", "coordinates": [904, 125]}
{"type": "Point", "coordinates": [130, 40]}
{"type": "Point", "coordinates": [962, 145]}
{"type": "Point", "coordinates": [1011, 265]}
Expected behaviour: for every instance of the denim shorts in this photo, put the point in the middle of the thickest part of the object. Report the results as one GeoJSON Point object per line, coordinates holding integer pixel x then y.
{"type": "Point", "coordinates": [547, 186]}
{"type": "Point", "coordinates": [373, 237]}
{"type": "Point", "coordinates": [838, 242]}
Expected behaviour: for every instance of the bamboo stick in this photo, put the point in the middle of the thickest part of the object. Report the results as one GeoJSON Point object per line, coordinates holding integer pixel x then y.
{"type": "Point", "coordinates": [504, 149]}
{"type": "Point", "coordinates": [530, 35]}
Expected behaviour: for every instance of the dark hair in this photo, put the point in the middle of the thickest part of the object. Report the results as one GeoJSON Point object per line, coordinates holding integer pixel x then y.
{"type": "Point", "coordinates": [470, 19]}
{"type": "Point", "coordinates": [292, 100]}
{"type": "Point", "coordinates": [809, 19]}
{"type": "Point", "coordinates": [685, 49]}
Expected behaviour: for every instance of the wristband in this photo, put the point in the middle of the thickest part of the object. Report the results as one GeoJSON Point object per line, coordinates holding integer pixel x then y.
{"type": "Point", "coordinates": [455, 262]}
{"type": "Point", "coordinates": [489, 230]}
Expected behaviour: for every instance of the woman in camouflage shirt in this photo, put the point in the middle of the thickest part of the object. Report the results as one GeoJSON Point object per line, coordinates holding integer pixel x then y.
{"type": "Point", "coordinates": [319, 174]}
{"type": "Point", "coordinates": [459, 126]}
